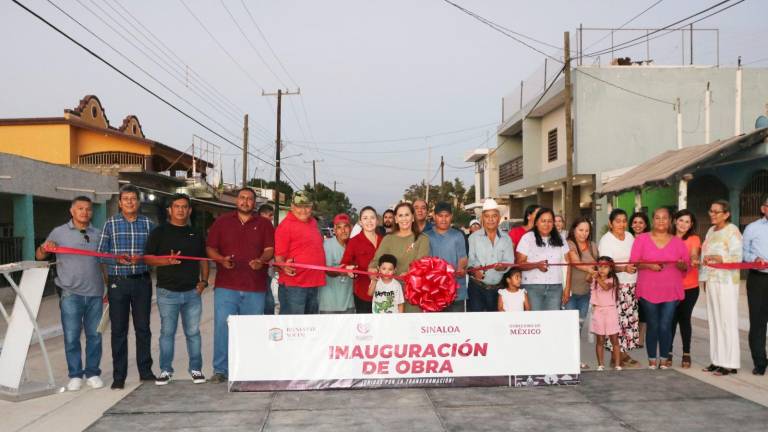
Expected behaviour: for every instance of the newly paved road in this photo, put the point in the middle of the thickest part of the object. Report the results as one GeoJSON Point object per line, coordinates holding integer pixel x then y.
{"type": "Point", "coordinates": [632, 400]}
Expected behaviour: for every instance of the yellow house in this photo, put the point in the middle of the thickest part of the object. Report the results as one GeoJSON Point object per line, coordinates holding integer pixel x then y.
{"type": "Point", "coordinates": [47, 161]}
{"type": "Point", "coordinates": [83, 138]}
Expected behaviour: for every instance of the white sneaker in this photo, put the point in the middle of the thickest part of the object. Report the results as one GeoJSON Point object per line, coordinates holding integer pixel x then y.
{"type": "Point", "coordinates": [74, 384]}
{"type": "Point", "coordinates": [600, 368]}
{"type": "Point", "coordinates": [95, 382]}
{"type": "Point", "coordinates": [618, 368]}
{"type": "Point", "coordinates": [164, 378]}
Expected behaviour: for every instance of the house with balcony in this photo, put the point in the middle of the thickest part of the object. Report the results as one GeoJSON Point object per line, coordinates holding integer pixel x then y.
{"type": "Point", "coordinates": [622, 117]}
{"type": "Point", "coordinates": [81, 153]}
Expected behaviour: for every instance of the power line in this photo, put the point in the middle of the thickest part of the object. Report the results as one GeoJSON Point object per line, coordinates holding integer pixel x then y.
{"type": "Point", "coordinates": [221, 47]}
{"type": "Point", "coordinates": [552, 83]}
{"type": "Point", "coordinates": [414, 149]}
{"type": "Point", "coordinates": [625, 23]}
{"type": "Point", "coordinates": [180, 67]}
{"type": "Point", "coordinates": [131, 79]}
{"type": "Point", "coordinates": [125, 57]}
{"type": "Point", "coordinates": [266, 41]}
{"type": "Point", "coordinates": [290, 77]}
{"type": "Point", "coordinates": [643, 38]}
{"type": "Point", "coordinates": [411, 138]}
{"type": "Point", "coordinates": [624, 88]}
{"type": "Point", "coordinates": [171, 53]}
{"type": "Point", "coordinates": [253, 47]}
{"type": "Point", "coordinates": [756, 61]}
{"type": "Point", "coordinates": [506, 32]}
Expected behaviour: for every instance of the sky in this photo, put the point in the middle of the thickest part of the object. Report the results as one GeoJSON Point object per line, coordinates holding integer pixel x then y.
{"type": "Point", "coordinates": [381, 81]}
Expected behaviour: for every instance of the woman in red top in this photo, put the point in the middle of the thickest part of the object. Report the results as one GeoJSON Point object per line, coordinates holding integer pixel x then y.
{"type": "Point", "coordinates": [685, 228]}
{"type": "Point", "coordinates": [358, 254]}
{"type": "Point", "coordinates": [529, 216]}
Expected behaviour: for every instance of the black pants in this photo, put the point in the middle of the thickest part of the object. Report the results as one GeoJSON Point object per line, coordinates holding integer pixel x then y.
{"type": "Point", "coordinates": [362, 306]}
{"type": "Point", "coordinates": [481, 299]}
{"type": "Point", "coordinates": [683, 318]}
{"type": "Point", "coordinates": [757, 300]}
{"type": "Point", "coordinates": [134, 297]}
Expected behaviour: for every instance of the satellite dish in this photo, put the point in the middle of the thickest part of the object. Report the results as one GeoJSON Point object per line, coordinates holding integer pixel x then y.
{"type": "Point", "coordinates": [761, 122]}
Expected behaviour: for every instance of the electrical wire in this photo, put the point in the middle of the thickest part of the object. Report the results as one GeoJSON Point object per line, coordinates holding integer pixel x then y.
{"type": "Point", "coordinates": [552, 83]}
{"type": "Point", "coordinates": [579, 70]}
{"type": "Point", "coordinates": [131, 79]}
{"type": "Point", "coordinates": [399, 151]}
{"type": "Point", "coordinates": [411, 138]}
{"type": "Point", "coordinates": [128, 59]}
{"type": "Point", "coordinates": [506, 32]}
{"type": "Point", "coordinates": [644, 38]}
{"type": "Point", "coordinates": [625, 24]}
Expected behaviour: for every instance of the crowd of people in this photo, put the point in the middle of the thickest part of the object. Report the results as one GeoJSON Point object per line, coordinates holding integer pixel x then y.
{"type": "Point", "coordinates": [633, 287]}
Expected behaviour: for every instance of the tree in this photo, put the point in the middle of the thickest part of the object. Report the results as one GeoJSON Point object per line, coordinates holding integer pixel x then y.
{"type": "Point", "coordinates": [451, 192]}
{"type": "Point", "coordinates": [329, 203]}
{"type": "Point", "coordinates": [469, 197]}
{"type": "Point", "coordinates": [284, 187]}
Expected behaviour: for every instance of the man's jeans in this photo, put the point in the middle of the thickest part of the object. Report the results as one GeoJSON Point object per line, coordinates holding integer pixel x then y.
{"type": "Point", "coordinates": [481, 299]}
{"type": "Point", "coordinates": [171, 304]}
{"type": "Point", "coordinates": [581, 304]}
{"type": "Point", "coordinates": [297, 300]}
{"type": "Point", "coordinates": [78, 313]}
{"type": "Point", "coordinates": [659, 318]}
{"type": "Point", "coordinates": [228, 302]}
{"type": "Point", "coordinates": [544, 297]}
{"type": "Point", "coordinates": [130, 298]}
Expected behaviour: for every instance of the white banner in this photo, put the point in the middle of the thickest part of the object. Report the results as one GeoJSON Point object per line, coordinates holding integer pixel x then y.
{"type": "Point", "coordinates": [300, 352]}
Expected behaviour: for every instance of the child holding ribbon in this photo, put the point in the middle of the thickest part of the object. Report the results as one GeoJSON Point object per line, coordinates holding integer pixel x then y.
{"type": "Point", "coordinates": [605, 316]}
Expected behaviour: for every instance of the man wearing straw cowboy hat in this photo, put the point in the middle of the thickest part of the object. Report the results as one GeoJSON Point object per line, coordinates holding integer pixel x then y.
{"type": "Point", "coordinates": [488, 246]}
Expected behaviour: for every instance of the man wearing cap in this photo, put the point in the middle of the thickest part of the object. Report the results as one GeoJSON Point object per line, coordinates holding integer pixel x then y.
{"type": "Point", "coordinates": [488, 246]}
{"type": "Point", "coordinates": [241, 243]}
{"type": "Point", "coordinates": [474, 225]}
{"type": "Point", "coordinates": [336, 295]}
{"type": "Point", "coordinates": [298, 239]}
{"type": "Point", "coordinates": [448, 243]}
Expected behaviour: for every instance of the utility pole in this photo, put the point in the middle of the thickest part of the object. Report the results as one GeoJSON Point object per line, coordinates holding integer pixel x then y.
{"type": "Point", "coordinates": [442, 171]}
{"type": "Point", "coordinates": [568, 185]}
{"type": "Point", "coordinates": [334, 185]}
{"type": "Point", "coordinates": [245, 150]}
{"type": "Point", "coordinates": [278, 144]}
{"type": "Point", "coordinates": [427, 180]}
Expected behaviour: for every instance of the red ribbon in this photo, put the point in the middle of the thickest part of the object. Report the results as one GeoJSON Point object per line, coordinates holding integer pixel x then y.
{"type": "Point", "coordinates": [720, 266]}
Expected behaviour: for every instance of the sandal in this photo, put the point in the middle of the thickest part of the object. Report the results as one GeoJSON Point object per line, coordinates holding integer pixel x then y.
{"type": "Point", "coordinates": [666, 364]}
{"type": "Point", "coordinates": [584, 366]}
{"type": "Point", "coordinates": [652, 364]}
{"type": "Point", "coordinates": [710, 368]}
{"type": "Point", "coordinates": [724, 371]}
{"type": "Point", "coordinates": [686, 363]}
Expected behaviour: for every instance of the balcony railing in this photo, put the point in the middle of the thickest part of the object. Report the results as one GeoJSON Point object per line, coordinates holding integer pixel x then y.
{"type": "Point", "coordinates": [112, 158]}
{"type": "Point", "coordinates": [511, 171]}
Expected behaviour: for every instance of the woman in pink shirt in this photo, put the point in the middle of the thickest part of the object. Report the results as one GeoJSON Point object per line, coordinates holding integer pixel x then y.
{"type": "Point", "coordinates": [660, 286]}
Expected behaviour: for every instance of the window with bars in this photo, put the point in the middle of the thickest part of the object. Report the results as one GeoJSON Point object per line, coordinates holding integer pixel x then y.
{"type": "Point", "coordinates": [552, 145]}
{"type": "Point", "coordinates": [511, 171]}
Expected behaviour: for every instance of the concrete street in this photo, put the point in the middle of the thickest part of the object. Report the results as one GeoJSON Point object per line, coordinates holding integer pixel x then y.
{"type": "Point", "coordinates": [631, 399]}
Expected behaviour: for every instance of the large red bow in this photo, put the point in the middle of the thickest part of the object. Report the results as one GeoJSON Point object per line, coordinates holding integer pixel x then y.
{"type": "Point", "coordinates": [430, 284]}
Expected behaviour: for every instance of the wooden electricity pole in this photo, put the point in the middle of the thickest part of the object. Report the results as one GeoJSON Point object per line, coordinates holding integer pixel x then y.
{"type": "Point", "coordinates": [278, 144]}
{"type": "Point", "coordinates": [568, 185]}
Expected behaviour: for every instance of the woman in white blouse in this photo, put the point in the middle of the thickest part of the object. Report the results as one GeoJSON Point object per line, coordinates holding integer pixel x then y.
{"type": "Point", "coordinates": [617, 244]}
{"type": "Point", "coordinates": [539, 248]}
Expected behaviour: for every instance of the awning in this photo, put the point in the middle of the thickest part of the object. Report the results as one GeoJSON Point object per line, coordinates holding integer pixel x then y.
{"type": "Point", "coordinates": [669, 165]}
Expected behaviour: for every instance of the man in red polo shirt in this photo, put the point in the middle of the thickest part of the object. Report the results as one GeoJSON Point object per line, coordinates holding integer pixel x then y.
{"type": "Point", "coordinates": [241, 243]}
{"type": "Point", "coordinates": [298, 239]}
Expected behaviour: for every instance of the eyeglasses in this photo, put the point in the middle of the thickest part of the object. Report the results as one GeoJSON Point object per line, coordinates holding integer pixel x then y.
{"type": "Point", "coordinates": [85, 236]}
